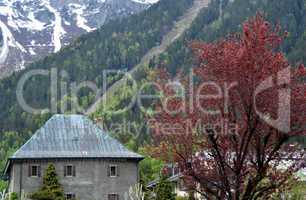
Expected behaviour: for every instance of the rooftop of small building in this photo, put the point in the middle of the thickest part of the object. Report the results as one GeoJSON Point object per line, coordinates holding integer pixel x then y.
{"type": "Point", "coordinates": [72, 136]}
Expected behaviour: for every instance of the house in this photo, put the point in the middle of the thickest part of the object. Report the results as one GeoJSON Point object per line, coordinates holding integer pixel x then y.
{"type": "Point", "coordinates": [90, 164]}
{"type": "Point", "coordinates": [176, 178]}
{"type": "Point", "coordinates": [179, 188]}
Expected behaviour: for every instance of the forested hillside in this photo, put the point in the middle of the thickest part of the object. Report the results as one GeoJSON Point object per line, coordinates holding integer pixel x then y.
{"type": "Point", "coordinates": [118, 45]}
{"type": "Point", "coordinates": [209, 26]}
{"type": "Point", "coordinates": [121, 45]}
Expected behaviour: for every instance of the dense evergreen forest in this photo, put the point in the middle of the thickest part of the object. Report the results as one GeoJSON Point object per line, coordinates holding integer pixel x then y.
{"type": "Point", "coordinates": [120, 45]}
{"type": "Point", "coordinates": [210, 25]}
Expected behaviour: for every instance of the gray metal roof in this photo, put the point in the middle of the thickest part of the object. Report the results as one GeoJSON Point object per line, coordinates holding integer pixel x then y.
{"type": "Point", "coordinates": [72, 136]}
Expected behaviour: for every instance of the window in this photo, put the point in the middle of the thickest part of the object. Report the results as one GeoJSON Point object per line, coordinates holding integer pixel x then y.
{"type": "Point", "coordinates": [113, 171]}
{"type": "Point", "coordinates": [34, 171]}
{"type": "Point", "coordinates": [113, 197]}
{"type": "Point", "coordinates": [70, 196]}
{"type": "Point", "coordinates": [69, 171]}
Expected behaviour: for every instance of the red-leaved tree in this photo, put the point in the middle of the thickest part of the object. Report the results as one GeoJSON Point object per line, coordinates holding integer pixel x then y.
{"type": "Point", "coordinates": [229, 129]}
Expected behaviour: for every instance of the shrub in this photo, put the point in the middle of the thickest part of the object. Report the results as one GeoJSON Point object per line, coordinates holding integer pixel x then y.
{"type": "Point", "coordinates": [13, 196]}
{"type": "Point", "coordinates": [164, 190]}
{"type": "Point", "coordinates": [51, 189]}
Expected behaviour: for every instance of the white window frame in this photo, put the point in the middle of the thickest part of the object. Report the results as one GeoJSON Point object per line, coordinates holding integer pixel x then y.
{"type": "Point", "coordinates": [110, 171]}
{"type": "Point", "coordinates": [66, 168]}
{"type": "Point", "coordinates": [37, 172]}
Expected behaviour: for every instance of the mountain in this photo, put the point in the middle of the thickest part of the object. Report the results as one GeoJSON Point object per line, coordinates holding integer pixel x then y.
{"type": "Point", "coordinates": [210, 26]}
{"type": "Point", "coordinates": [31, 29]}
{"type": "Point", "coordinates": [124, 43]}
{"type": "Point", "coordinates": [121, 45]}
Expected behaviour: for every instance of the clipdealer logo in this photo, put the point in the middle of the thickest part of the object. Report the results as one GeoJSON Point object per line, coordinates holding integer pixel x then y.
{"type": "Point", "coordinates": [282, 123]}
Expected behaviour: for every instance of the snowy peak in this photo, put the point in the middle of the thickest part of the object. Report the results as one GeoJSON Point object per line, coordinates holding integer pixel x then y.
{"type": "Point", "coordinates": [31, 29]}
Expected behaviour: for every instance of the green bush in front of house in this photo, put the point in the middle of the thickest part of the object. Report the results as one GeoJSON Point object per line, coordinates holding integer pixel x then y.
{"type": "Point", "coordinates": [51, 189]}
{"type": "Point", "coordinates": [164, 190]}
{"type": "Point", "coordinates": [13, 196]}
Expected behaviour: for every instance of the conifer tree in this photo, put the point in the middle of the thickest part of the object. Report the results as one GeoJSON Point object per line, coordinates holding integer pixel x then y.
{"type": "Point", "coordinates": [164, 190]}
{"type": "Point", "coordinates": [51, 189]}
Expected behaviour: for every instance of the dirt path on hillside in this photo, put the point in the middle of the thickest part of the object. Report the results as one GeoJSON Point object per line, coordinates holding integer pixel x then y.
{"type": "Point", "coordinates": [183, 24]}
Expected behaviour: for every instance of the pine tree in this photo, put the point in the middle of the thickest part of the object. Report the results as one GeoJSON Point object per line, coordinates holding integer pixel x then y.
{"type": "Point", "coordinates": [164, 190]}
{"type": "Point", "coordinates": [51, 189]}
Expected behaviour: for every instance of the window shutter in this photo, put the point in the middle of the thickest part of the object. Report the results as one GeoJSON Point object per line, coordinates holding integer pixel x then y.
{"type": "Point", "coordinates": [65, 171]}
{"type": "Point", "coordinates": [38, 171]}
{"type": "Point", "coordinates": [29, 171]}
{"type": "Point", "coordinates": [73, 171]}
{"type": "Point", "coordinates": [118, 170]}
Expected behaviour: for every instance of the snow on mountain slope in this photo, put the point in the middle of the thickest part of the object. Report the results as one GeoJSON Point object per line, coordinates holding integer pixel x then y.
{"type": "Point", "coordinates": [146, 1]}
{"type": "Point", "coordinates": [31, 29]}
{"type": "Point", "coordinates": [58, 30]}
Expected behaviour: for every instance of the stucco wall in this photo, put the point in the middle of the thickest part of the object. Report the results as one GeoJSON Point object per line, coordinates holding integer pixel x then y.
{"type": "Point", "coordinates": [91, 182]}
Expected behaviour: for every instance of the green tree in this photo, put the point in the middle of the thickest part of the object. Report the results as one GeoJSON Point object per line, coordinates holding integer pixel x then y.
{"type": "Point", "coordinates": [164, 190]}
{"type": "Point", "coordinates": [13, 196]}
{"type": "Point", "coordinates": [3, 185]}
{"type": "Point", "coordinates": [51, 189]}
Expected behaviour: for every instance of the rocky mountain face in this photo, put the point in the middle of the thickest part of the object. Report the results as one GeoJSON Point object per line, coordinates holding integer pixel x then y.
{"type": "Point", "coordinates": [31, 29]}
